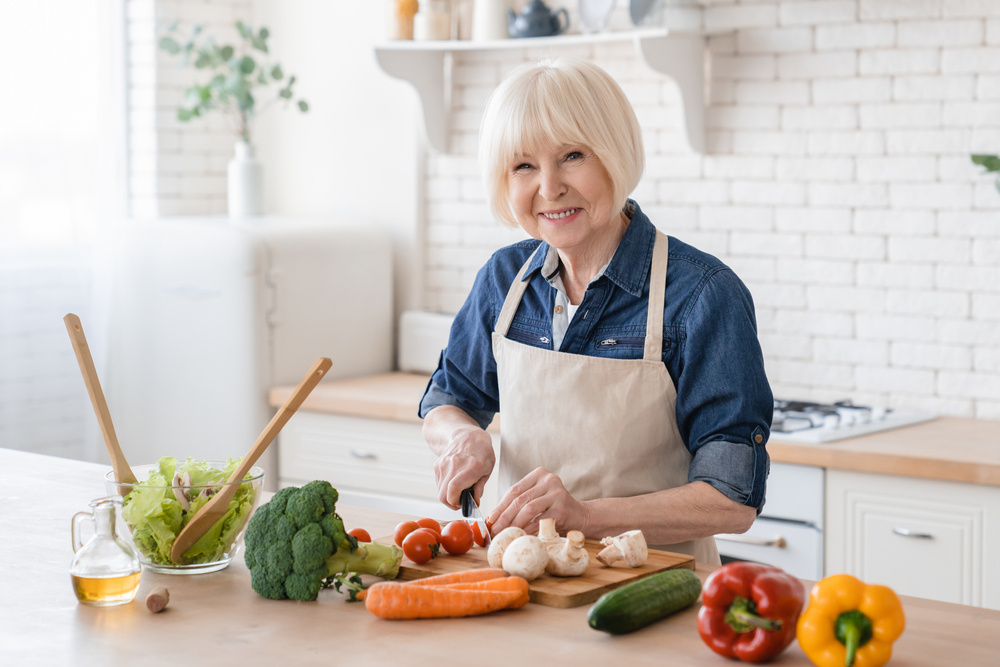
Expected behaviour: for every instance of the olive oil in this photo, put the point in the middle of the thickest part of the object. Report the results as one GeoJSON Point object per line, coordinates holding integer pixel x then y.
{"type": "Point", "coordinates": [105, 591]}
{"type": "Point", "coordinates": [106, 570]}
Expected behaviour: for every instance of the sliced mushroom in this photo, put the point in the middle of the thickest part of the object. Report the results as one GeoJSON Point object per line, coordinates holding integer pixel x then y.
{"type": "Point", "coordinates": [630, 545]}
{"type": "Point", "coordinates": [181, 483]}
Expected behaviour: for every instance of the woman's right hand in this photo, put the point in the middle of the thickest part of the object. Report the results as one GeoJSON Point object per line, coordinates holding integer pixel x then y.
{"type": "Point", "coordinates": [465, 454]}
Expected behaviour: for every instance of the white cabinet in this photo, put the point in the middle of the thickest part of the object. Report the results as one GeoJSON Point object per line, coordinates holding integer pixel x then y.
{"type": "Point", "coordinates": [379, 463]}
{"type": "Point", "coordinates": [926, 538]}
{"type": "Point", "coordinates": [789, 531]}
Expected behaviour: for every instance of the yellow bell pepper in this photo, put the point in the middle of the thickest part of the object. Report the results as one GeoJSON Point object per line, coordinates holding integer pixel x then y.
{"type": "Point", "coordinates": [848, 622]}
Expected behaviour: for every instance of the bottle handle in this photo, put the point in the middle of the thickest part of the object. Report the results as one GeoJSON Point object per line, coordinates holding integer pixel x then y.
{"type": "Point", "coordinates": [75, 528]}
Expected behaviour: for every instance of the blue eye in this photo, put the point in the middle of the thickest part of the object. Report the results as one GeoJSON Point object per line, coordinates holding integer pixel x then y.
{"type": "Point", "coordinates": [574, 155]}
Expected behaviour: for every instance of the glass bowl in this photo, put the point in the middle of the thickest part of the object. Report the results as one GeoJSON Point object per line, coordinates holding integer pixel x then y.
{"type": "Point", "coordinates": [154, 513]}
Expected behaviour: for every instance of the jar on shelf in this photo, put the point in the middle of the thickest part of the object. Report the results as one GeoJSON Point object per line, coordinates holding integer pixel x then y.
{"type": "Point", "coordinates": [401, 13]}
{"type": "Point", "coordinates": [432, 21]}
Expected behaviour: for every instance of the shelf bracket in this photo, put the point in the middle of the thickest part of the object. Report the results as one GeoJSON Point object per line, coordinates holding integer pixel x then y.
{"type": "Point", "coordinates": [430, 73]}
{"type": "Point", "coordinates": [681, 56]}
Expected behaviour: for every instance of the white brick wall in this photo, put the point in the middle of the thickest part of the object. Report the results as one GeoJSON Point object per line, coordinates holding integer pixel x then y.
{"type": "Point", "coordinates": [838, 186]}
{"type": "Point", "coordinates": [837, 183]}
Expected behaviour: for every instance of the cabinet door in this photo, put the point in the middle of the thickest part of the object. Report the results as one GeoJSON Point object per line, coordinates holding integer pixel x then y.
{"type": "Point", "coordinates": [920, 537]}
{"type": "Point", "coordinates": [373, 462]}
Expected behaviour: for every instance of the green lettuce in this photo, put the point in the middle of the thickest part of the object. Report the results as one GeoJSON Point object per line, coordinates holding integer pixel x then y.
{"type": "Point", "coordinates": [156, 517]}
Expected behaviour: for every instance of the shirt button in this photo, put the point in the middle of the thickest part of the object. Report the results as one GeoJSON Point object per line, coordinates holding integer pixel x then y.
{"type": "Point", "coordinates": [758, 438]}
{"type": "Point", "coordinates": [558, 310]}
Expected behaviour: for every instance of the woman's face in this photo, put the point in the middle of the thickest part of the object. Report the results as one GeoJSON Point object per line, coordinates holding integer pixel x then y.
{"type": "Point", "coordinates": [564, 196]}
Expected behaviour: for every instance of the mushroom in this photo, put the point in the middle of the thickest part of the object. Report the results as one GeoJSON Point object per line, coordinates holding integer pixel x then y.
{"type": "Point", "coordinates": [182, 480]}
{"type": "Point", "coordinates": [547, 533]}
{"type": "Point", "coordinates": [630, 545]}
{"type": "Point", "coordinates": [500, 543]}
{"type": "Point", "coordinates": [568, 558]}
{"type": "Point", "coordinates": [526, 557]}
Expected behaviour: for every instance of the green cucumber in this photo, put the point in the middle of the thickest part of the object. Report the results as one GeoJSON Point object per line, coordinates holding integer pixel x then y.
{"type": "Point", "coordinates": [646, 601]}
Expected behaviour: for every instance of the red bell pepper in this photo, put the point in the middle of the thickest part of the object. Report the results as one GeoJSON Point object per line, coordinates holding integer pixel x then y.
{"type": "Point", "coordinates": [749, 611]}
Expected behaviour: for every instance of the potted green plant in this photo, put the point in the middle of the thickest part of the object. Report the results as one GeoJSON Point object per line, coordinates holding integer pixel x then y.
{"type": "Point", "coordinates": [989, 162]}
{"type": "Point", "coordinates": [240, 83]}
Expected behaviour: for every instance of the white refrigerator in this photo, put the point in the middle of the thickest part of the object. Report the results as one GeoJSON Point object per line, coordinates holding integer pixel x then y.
{"type": "Point", "coordinates": [207, 315]}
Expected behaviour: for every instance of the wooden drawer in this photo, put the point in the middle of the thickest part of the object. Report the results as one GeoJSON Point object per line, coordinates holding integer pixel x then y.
{"type": "Point", "coordinates": [932, 539]}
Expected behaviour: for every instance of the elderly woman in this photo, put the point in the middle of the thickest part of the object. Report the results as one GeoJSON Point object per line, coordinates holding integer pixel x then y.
{"type": "Point", "coordinates": [625, 362]}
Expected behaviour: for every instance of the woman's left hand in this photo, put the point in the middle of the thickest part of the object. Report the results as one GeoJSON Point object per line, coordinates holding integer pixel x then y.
{"type": "Point", "coordinates": [539, 495]}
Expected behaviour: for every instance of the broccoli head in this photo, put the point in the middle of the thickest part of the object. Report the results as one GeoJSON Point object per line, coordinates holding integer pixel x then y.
{"type": "Point", "coordinates": [296, 545]}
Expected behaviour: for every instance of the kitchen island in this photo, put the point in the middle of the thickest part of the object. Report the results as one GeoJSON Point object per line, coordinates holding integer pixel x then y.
{"type": "Point", "coordinates": [217, 618]}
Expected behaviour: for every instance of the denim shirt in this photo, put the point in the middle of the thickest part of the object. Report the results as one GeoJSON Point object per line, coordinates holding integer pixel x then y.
{"type": "Point", "coordinates": [710, 347]}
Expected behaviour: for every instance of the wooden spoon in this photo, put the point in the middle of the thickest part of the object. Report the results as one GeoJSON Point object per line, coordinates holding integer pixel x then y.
{"type": "Point", "coordinates": [215, 508]}
{"type": "Point", "coordinates": [123, 473]}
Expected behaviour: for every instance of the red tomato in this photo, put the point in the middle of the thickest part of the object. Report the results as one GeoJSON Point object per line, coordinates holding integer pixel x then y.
{"type": "Point", "coordinates": [402, 530]}
{"type": "Point", "coordinates": [457, 537]}
{"type": "Point", "coordinates": [477, 534]}
{"type": "Point", "coordinates": [420, 546]}
{"type": "Point", "coordinates": [361, 534]}
{"type": "Point", "coordinates": [430, 523]}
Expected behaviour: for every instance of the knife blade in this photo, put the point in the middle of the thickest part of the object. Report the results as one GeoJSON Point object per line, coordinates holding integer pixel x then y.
{"type": "Point", "coordinates": [470, 510]}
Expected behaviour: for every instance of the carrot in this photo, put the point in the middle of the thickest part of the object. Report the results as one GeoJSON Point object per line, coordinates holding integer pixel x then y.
{"type": "Point", "coordinates": [465, 576]}
{"type": "Point", "coordinates": [396, 600]}
{"type": "Point", "coordinates": [460, 580]}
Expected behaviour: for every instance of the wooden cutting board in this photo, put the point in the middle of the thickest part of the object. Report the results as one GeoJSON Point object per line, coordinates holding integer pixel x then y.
{"type": "Point", "coordinates": [563, 592]}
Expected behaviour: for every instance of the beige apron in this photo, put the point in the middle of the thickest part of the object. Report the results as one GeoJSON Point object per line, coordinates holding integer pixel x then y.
{"type": "Point", "coordinates": [607, 427]}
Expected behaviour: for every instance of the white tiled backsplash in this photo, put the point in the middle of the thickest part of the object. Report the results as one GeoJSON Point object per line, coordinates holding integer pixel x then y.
{"type": "Point", "coordinates": [837, 184]}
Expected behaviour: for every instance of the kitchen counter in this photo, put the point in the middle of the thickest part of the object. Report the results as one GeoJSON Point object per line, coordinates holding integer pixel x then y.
{"type": "Point", "coordinates": [947, 448]}
{"type": "Point", "coordinates": [217, 617]}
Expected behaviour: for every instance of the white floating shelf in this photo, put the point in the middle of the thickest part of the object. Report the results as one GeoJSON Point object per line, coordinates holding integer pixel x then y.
{"type": "Point", "coordinates": [426, 65]}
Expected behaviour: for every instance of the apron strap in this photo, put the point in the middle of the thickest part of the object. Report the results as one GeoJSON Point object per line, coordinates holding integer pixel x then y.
{"type": "Point", "coordinates": [514, 295]}
{"type": "Point", "coordinates": [657, 288]}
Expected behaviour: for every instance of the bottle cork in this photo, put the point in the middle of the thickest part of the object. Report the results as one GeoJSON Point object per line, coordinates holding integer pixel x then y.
{"type": "Point", "coordinates": [157, 599]}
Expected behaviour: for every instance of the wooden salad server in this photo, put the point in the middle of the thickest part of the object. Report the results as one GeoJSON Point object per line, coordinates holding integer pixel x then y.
{"type": "Point", "coordinates": [123, 472]}
{"type": "Point", "coordinates": [215, 508]}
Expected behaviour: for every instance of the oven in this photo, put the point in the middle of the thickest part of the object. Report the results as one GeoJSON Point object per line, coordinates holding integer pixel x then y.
{"type": "Point", "coordinates": [789, 531]}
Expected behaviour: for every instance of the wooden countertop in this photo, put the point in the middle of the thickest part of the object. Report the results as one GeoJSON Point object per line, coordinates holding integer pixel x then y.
{"type": "Point", "coordinates": [948, 448]}
{"type": "Point", "coordinates": [217, 616]}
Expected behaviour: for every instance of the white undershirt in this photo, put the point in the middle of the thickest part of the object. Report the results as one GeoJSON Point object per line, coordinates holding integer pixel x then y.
{"type": "Point", "coordinates": [564, 310]}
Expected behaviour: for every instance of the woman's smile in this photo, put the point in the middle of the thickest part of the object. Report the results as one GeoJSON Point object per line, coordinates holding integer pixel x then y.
{"type": "Point", "coordinates": [560, 216]}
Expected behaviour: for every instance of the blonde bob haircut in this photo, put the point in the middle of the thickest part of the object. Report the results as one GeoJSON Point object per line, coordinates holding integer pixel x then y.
{"type": "Point", "coordinates": [557, 103]}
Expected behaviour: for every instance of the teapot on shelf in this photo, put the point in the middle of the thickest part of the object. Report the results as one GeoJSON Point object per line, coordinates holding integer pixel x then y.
{"type": "Point", "coordinates": [537, 20]}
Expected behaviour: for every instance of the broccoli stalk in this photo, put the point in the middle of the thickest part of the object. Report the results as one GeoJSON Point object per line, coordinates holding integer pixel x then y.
{"type": "Point", "coordinates": [296, 545]}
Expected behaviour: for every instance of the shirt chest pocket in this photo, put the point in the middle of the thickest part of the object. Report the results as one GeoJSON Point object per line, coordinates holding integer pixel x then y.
{"type": "Point", "coordinates": [628, 344]}
{"type": "Point", "coordinates": [535, 337]}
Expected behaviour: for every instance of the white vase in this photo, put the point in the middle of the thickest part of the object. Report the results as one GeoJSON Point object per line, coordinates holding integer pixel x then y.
{"type": "Point", "coordinates": [245, 183]}
{"type": "Point", "coordinates": [489, 20]}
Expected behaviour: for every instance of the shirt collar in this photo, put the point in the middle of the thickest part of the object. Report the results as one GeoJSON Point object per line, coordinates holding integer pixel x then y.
{"type": "Point", "coordinates": [628, 267]}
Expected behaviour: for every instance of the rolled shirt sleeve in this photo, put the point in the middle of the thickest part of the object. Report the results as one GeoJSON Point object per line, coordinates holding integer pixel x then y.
{"type": "Point", "coordinates": [724, 401]}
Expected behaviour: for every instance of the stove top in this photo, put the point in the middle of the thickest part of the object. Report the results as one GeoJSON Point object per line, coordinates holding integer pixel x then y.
{"type": "Point", "coordinates": [802, 421]}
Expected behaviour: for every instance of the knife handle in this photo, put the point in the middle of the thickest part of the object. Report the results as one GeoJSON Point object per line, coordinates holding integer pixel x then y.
{"type": "Point", "coordinates": [467, 502]}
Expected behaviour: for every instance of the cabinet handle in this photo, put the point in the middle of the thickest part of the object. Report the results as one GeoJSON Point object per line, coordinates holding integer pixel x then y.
{"type": "Point", "coordinates": [358, 454]}
{"type": "Point", "coordinates": [906, 532]}
{"type": "Point", "coordinates": [778, 542]}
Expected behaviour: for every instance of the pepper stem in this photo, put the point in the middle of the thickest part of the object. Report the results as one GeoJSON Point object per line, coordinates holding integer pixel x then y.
{"type": "Point", "coordinates": [742, 616]}
{"type": "Point", "coordinates": [852, 629]}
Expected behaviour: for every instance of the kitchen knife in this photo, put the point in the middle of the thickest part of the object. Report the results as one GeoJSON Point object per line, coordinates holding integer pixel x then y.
{"type": "Point", "coordinates": [470, 510]}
